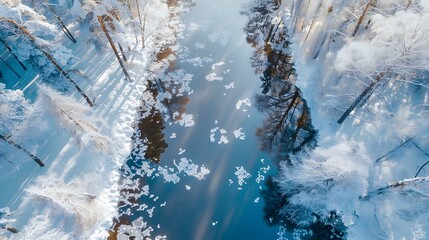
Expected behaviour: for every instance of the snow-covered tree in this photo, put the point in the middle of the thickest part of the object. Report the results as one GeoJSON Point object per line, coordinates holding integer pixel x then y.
{"type": "Point", "coordinates": [316, 181]}
{"type": "Point", "coordinates": [15, 114]}
{"type": "Point", "coordinates": [73, 116]}
{"type": "Point", "coordinates": [396, 49]}
{"type": "Point", "coordinates": [40, 228]}
{"type": "Point", "coordinates": [75, 199]}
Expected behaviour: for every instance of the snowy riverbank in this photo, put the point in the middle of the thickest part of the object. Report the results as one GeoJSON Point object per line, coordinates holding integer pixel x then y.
{"type": "Point", "coordinates": [75, 195]}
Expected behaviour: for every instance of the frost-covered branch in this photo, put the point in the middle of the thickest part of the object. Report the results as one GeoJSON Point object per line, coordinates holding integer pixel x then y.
{"type": "Point", "coordinates": [40, 228]}
{"type": "Point", "coordinates": [34, 41]}
{"type": "Point", "coordinates": [72, 115]}
{"type": "Point", "coordinates": [73, 199]}
{"type": "Point", "coordinates": [397, 185]}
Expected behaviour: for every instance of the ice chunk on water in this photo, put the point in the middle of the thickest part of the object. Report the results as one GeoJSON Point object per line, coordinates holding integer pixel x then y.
{"type": "Point", "coordinates": [229, 86]}
{"type": "Point", "coordinates": [181, 151]}
{"type": "Point", "coordinates": [239, 134]}
{"type": "Point", "coordinates": [223, 139]}
{"type": "Point", "coordinates": [218, 64]}
{"type": "Point", "coordinates": [185, 165]}
{"type": "Point", "coordinates": [213, 77]}
{"type": "Point", "coordinates": [242, 175]}
{"type": "Point", "coordinates": [241, 102]}
{"type": "Point", "coordinates": [187, 120]}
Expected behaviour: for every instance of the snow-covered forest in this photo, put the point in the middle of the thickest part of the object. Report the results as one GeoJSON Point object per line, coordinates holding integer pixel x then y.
{"type": "Point", "coordinates": [73, 77]}
{"type": "Point", "coordinates": [362, 67]}
{"type": "Point", "coordinates": [88, 88]}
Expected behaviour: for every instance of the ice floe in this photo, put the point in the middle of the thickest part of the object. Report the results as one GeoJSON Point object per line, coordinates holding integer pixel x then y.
{"type": "Point", "coordinates": [218, 64]}
{"type": "Point", "coordinates": [223, 139]}
{"type": "Point", "coordinates": [229, 86]}
{"type": "Point", "coordinates": [213, 77]}
{"type": "Point", "coordinates": [239, 134]}
{"type": "Point", "coordinates": [242, 175]}
{"type": "Point", "coordinates": [241, 102]}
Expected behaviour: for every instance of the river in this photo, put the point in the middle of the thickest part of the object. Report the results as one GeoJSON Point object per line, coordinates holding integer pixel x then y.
{"type": "Point", "coordinates": [216, 207]}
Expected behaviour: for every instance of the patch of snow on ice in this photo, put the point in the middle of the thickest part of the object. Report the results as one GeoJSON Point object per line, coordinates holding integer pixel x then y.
{"type": "Point", "coordinates": [230, 181]}
{"type": "Point", "coordinates": [188, 187]}
{"type": "Point", "coordinates": [223, 139]}
{"type": "Point", "coordinates": [213, 77]}
{"type": "Point", "coordinates": [242, 102]}
{"type": "Point", "coordinates": [212, 134]}
{"type": "Point", "coordinates": [229, 86]}
{"type": "Point", "coordinates": [256, 200]}
{"type": "Point", "coordinates": [150, 212]}
{"type": "Point", "coordinates": [198, 61]}
{"type": "Point", "coordinates": [173, 135]}
{"type": "Point", "coordinates": [218, 64]}
{"type": "Point", "coordinates": [185, 165]}
{"type": "Point", "coordinates": [239, 134]}
{"type": "Point", "coordinates": [242, 175]}
{"type": "Point", "coordinates": [187, 120]}
{"type": "Point", "coordinates": [181, 151]}
{"type": "Point", "coordinates": [168, 177]}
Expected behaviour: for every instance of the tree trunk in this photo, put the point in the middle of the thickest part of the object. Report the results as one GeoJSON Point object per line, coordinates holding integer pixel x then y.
{"type": "Point", "coordinates": [49, 56]}
{"type": "Point", "coordinates": [36, 159]}
{"type": "Point", "coordinates": [398, 184]}
{"type": "Point", "coordinates": [122, 52]}
{"type": "Point", "coordinates": [360, 98]}
{"type": "Point", "coordinates": [365, 10]}
{"type": "Point", "coordinates": [313, 20]}
{"type": "Point", "coordinates": [65, 29]}
{"type": "Point", "coordinates": [100, 19]}
{"type": "Point", "coordinates": [13, 54]}
{"type": "Point", "coordinates": [141, 22]}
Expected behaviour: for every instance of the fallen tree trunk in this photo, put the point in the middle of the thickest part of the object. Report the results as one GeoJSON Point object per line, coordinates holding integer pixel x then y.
{"type": "Point", "coordinates": [364, 94]}
{"type": "Point", "coordinates": [395, 185]}
{"type": "Point", "coordinates": [36, 159]}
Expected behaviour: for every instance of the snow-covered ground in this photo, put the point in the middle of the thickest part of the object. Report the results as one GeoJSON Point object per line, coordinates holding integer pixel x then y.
{"type": "Point", "coordinates": [75, 195]}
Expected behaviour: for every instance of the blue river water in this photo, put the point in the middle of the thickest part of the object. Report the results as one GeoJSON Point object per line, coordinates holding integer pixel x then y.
{"type": "Point", "coordinates": [216, 207]}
